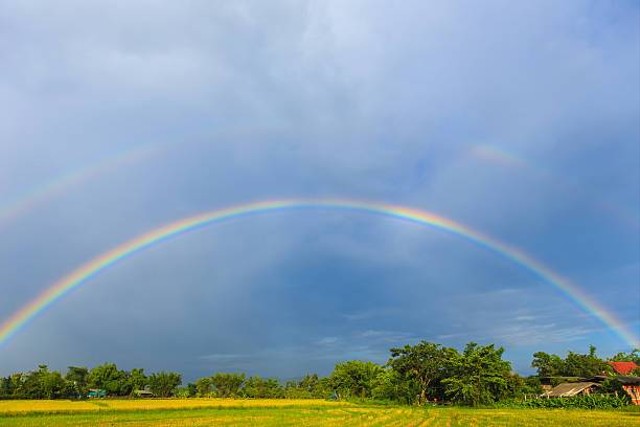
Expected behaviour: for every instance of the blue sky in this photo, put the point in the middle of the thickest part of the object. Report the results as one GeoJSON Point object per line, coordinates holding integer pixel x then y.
{"type": "Point", "coordinates": [518, 119]}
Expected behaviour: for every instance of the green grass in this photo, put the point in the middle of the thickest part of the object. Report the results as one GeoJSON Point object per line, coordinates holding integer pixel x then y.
{"type": "Point", "coordinates": [328, 415]}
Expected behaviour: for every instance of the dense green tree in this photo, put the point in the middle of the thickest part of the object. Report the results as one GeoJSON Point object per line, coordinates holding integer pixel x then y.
{"type": "Point", "coordinates": [204, 387]}
{"type": "Point", "coordinates": [108, 377]}
{"type": "Point", "coordinates": [163, 384]}
{"type": "Point", "coordinates": [311, 386]}
{"type": "Point", "coordinates": [182, 392]}
{"type": "Point", "coordinates": [137, 380]}
{"type": "Point", "coordinates": [574, 365]}
{"type": "Point", "coordinates": [354, 378]}
{"type": "Point", "coordinates": [17, 385]}
{"type": "Point", "coordinates": [227, 384]}
{"type": "Point", "coordinates": [547, 365]}
{"type": "Point", "coordinates": [41, 384]}
{"type": "Point", "coordinates": [479, 375]}
{"type": "Point", "coordinates": [584, 365]}
{"type": "Point", "coordinates": [192, 390]}
{"type": "Point", "coordinates": [52, 383]}
{"type": "Point", "coordinates": [78, 376]}
{"type": "Point", "coordinates": [6, 388]}
{"type": "Point", "coordinates": [633, 356]}
{"type": "Point", "coordinates": [391, 385]}
{"type": "Point", "coordinates": [422, 367]}
{"type": "Point", "coordinates": [262, 388]}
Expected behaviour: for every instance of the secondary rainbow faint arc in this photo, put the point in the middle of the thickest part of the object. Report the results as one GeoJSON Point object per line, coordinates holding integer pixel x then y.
{"type": "Point", "coordinates": [82, 274]}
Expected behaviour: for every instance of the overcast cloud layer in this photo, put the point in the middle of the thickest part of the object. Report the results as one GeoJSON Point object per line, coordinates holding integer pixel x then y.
{"type": "Point", "coordinates": [519, 119]}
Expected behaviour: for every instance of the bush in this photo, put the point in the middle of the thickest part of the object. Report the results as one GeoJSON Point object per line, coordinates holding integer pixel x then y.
{"type": "Point", "coordinates": [593, 401]}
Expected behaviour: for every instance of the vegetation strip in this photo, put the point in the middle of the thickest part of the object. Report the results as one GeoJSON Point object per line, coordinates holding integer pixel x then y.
{"type": "Point", "coordinates": [421, 374]}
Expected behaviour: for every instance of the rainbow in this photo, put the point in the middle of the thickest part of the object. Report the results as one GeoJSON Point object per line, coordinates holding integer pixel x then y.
{"type": "Point", "coordinates": [61, 184]}
{"type": "Point", "coordinates": [84, 273]}
{"type": "Point", "coordinates": [507, 159]}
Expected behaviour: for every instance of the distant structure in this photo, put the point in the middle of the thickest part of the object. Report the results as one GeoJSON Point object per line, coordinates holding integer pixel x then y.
{"type": "Point", "coordinates": [96, 393]}
{"type": "Point", "coordinates": [143, 393]}
{"type": "Point", "coordinates": [576, 386]}
{"type": "Point", "coordinates": [623, 368]}
{"type": "Point", "coordinates": [631, 386]}
{"type": "Point", "coordinates": [572, 389]}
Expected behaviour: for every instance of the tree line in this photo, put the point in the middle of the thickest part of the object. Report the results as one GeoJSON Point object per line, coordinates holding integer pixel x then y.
{"type": "Point", "coordinates": [413, 374]}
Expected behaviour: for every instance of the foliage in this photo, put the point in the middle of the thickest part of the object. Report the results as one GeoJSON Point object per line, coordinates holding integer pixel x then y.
{"type": "Point", "coordinates": [137, 380]}
{"type": "Point", "coordinates": [422, 367]}
{"type": "Point", "coordinates": [262, 388]}
{"type": "Point", "coordinates": [633, 356]}
{"type": "Point", "coordinates": [479, 375]}
{"type": "Point", "coordinates": [204, 388]}
{"type": "Point", "coordinates": [548, 365]}
{"type": "Point", "coordinates": [392, 386]}
{"type": "Point", "coordinates": [593, 401]}
{"type": "Point", "coordinates": [78, 376]}
{"type": "Point", "coordinates": [354, 378]}
{"type": "Point", "coordinates": [574, 365]}
{"type": "Point", "coordinates": [108, 377]}
{"type": "Point", "coordinates": [311, 386]}
{"type": "Point", "coordinates": [163, 384]}
{"type": "Point", "coordinates": [227, 384]}
{"type": "Point", "coordinates": [414, 374]}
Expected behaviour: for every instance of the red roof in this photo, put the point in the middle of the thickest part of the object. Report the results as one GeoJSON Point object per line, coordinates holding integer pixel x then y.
{"type": "Point", "coordinates": [623, 368]}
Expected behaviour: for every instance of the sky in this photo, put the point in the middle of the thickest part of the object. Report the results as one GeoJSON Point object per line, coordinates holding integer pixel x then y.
{"type": "Point", "coordinates": [520, 120]}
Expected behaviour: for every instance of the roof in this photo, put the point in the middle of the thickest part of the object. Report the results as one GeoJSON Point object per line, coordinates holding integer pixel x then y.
{"type": "Point", "coordinates": [623, 368]}
{"type": "Point", "coordinates": [570, 389]}
{"type": "Point", "coordinates": [628, 380]}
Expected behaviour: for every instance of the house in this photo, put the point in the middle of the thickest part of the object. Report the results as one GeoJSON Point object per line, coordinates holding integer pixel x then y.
{"type": "Point", "coordinates": [631, 386]}
{"type": "Point", "coordinates": [547, 383]}
{"type": "Point", "coordinates": [572, 389]}
{"type": "Point", "coordinates": [96, 393]}
{"type": "Point", "coordinates": [623, 368]}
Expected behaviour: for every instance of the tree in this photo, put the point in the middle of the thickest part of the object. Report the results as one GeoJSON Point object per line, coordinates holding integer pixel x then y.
{"type": "Point", "coordinates": [310, 386]}
{"type": "Point", "coordinates": [52, 384]}
{"type": "Point", "coordinates": [163, 384]}
{"type": "Point", "coordinates": [77, 376]}
{"type": "Point", "coordinates": [479, 375]}
{"type": "Point", "coordinates": [192, 389]}
{"type": "Point", "coordinates": [548, 365]}
{"type": "Point", "coordinates": [259, 388]}
{"type": "Point", "coordinates": [354, 378]}
{"type": "Point", "coordinates": [109, 378]}
{"type": "Point", "coordinates": [633, 356]}
{"type": "Point", "coordinates": [227, 384]}
{"type": "Point", "coordinates": [204, 387]}
{"type": "Point", "coordinates": [390, 385]}
{"type": "Point", "coordinates": [6, 388]}
{"type": "Point", "coordinates": [574, 365]}
{"type": "Point", "coordinates": [137, 380]}
{"type": "Point", "coordinates": [584, 365]}
{"type": "Point", "coordinates": [422, 366]}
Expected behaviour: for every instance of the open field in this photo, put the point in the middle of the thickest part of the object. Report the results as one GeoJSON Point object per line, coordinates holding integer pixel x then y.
{"type": "Point", "coordinates": [205, 412]}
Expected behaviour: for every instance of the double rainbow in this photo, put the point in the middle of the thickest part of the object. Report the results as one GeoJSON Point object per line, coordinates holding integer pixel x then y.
{"type": "Point", "coordinates": [85, 272]}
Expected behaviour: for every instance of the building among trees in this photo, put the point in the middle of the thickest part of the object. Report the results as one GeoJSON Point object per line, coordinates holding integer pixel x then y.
{"type": "Point", "coordinates": [572, 389]}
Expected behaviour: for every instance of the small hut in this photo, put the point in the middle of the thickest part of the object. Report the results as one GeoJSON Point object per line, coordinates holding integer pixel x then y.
{"type": "Point", "coordinates": [572, 389]}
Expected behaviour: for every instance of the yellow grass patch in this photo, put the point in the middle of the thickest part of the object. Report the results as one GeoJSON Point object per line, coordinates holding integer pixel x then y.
{"type": "Point", "coordinates": [50, 406]}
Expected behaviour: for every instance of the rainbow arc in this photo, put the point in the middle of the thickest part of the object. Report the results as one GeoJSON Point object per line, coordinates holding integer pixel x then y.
{"type": "Point", "coordinates": [84, 273]}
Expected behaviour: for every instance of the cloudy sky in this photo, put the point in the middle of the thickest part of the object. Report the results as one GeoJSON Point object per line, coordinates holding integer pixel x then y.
{"type": "Point", "coordinates": [518, 119]}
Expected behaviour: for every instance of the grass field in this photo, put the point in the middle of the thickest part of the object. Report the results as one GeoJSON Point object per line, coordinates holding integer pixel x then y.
{"type": "Point", "coordinates": [206, 412]}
